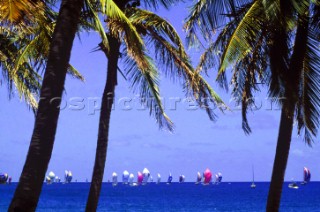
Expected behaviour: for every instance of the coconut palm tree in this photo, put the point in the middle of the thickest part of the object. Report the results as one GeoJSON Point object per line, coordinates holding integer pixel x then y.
{"type": "Point", "coordinates": [24, 48]}
{"type": "Point", "coordinates": [275, 42]}
{"type": "Point", "coordinates": [140, 69]}
{"type": "Point", "coordinates": [29, 187]}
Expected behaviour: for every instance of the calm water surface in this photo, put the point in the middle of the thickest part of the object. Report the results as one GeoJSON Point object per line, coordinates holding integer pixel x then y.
{"type": "Point", "coordinates": [174, 197]}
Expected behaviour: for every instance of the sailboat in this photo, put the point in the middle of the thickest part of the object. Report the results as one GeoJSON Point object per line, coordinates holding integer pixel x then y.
{"type": "Point", "coordinates": [218, 178]}
{"type": "Point", "coordinates": [131, 178]}
{"type": "Point", "coordinates": [252, 184]}
{"type": "Point", "coordinates": [169, 179]}
{"type": "Point", "coordinates": [125, 177]}
{"type": "Point", "coordinates": [67, 176]}
{"type": "Point", "coordinates": [140, 178]}
{"type": "Point", "coordinates": [306, 176]}
{"type": "Point", "coordinates": [199, 178]}
{"type": "Point", "coordinates": [50, 178]}
{"type": "Point", "coordinates": [181, 178]}
{"type": "Point", "coordinates": [57, 179]}
{"type": "Point", "coordinates": [207, 176]}
{"type": "Point", "coordinates": [3, 178]}
{"type": "Point", "coordinates": [146, 175]}
{"type": "Point", "coordinates": [293, 185]}
{"type": "Point", "coordinates": [114, 179]}
{"type": "Point", "coordinates": [158, 178]}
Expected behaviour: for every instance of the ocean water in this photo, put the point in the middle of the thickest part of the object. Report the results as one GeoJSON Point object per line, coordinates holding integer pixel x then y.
{"type": "Point", "coordinates": [174, 197]}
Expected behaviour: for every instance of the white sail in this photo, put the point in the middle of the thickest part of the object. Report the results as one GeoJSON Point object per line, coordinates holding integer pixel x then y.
{"type": "Point", "coordinates": [125, 177]}
{"type": "Point", "coordinates": [48, 180]}
{"type": "Point", "coordinates": [67, 176]}
{"type": "Point", "coordinates": [218, 178]}
{"type": "Point", "coordinates": [158, 178]}
{"type": "Point", "coordinates": [199, 178]}
{"type": "Point", "coordinates": [131, 178]}
{"type": "Point", "coordinates": [57, 179]}
{"type": "Point", "coordinates": [52, 176]}
{"type": "Point", "coordinates": [146, 175]}
{"type": "Point", "coordinates": [114, 179]}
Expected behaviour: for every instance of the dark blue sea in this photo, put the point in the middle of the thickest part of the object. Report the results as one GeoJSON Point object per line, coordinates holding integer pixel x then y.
{"type": "Point", "coordinates": [174, 197]}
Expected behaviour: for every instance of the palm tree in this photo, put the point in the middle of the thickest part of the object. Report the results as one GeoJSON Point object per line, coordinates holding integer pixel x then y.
{"type": "Point", "coordinates": [29, 188]}
{"type": "Point", "coordinates": [24, 48]}
{"type": "Point", "coordinates": [275, 42]}
{"type": "Point", "coordinates": [142, 73]}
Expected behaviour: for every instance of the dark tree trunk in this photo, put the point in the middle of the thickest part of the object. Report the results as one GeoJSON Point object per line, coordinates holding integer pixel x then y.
{"type": "Point", "coordinates": [106, 106]}
{"type": "Point", "coordinates": [286, 123]}
{"type": "Point", "coordinates": [281, 158]}
{"type": "Point", "coordinates": [31, 180]}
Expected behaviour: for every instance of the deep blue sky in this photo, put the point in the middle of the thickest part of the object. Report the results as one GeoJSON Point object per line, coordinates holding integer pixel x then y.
{"type": "Point", "coordinates": [135, 140]}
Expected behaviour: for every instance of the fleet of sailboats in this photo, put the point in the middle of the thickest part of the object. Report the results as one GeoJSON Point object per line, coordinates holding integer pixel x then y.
{"type": "Point", "coordinates": [145, 177]}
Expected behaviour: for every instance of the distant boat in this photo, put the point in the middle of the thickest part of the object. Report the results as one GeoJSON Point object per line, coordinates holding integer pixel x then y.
{"type": "Point", "coordinates": [67, 176]}
{"type": "Point", "coordinates": [181, 179]}
{"type": "Point", "coordinates": [158, 178]}
{"type": "Point", "coordinates": [50, 178]}
{"type": "Point", "coordinates": [306, 176]}
{"type": "Point", "coordinates": [146, 176]}
{"type": "Point", "coordinates": [3, 178]}
{"type": "Point", "coordinates": [114, 179]}
{"type": "Point", "coordinates": [218, 178]}
{"type": "Point", "coordinates": [199, 178]}
{"type": "Point", "coordinates": [293, 185]}
{"type": "Point", "coordinates": [140, 178]}
{"type": "Point", "coordinates": [252, 184]}
{"type": "Point", "coordinates": [125, 177]}
{"type": "Point", "coordinates": [131, 178]}
{"type": "Point", "coordinates": [207, 175]}
{"type": "Point", "coordinates": [169, 179]}
{"type": "Point", "coordinates": [57, 179]}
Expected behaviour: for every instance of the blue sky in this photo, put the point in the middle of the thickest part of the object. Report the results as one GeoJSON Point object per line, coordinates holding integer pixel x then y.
{"type": "Point", "coordinates": [135, 139]}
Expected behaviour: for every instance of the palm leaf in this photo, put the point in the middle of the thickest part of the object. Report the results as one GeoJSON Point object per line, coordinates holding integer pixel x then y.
{"type": "Point", "coordinates": [145, 79]}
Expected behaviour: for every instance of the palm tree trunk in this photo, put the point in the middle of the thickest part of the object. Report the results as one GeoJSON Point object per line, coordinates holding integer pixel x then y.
{"type": "Point", "coordinates": [27, 194]}
{"type": "Point", "coordinates": [281, 158]}
{"type": "Point", "coordinates": [287, 115]}
{"type": "Point", "coordinates": [106, 106]}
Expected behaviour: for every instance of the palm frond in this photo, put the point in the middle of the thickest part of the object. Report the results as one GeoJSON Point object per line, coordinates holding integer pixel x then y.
{"type": "Point", "coordinates": [172, 58]}
{"type": "Point", "coordinates": [239, 44]}
{"type": "Point", "coordinates": [309, 104]}
{"type": "Point", "coordinates": [207, 16]}
{"type": "Point", "coordinates": [155, 4]}
{"type": "Point", "coordinates": [94, 23]}
{"type": "Point", "coordinates": [145, 80]}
